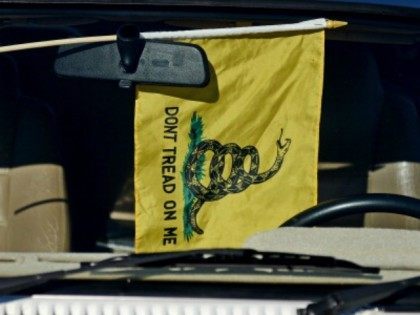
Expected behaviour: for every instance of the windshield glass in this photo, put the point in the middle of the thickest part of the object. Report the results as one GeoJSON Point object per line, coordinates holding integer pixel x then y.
{"type": "Point", "coordinates": [145, 130]}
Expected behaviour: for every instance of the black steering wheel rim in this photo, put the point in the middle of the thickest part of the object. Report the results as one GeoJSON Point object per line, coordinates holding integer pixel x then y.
{"type": "Point", "coordinates": [360, 204]}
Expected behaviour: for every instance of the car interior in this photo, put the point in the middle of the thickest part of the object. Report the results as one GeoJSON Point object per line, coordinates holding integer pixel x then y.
{"type": "Point", "coordinates": [67, 148]}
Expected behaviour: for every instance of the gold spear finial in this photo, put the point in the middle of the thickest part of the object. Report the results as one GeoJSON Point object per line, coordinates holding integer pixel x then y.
{"type": "Point", "coordinates": [331, 24]}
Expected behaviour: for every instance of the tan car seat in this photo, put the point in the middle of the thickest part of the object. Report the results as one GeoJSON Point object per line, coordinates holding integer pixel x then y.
{"type": "Point", "coordinates": [369, 136]}
{"type": "Point", "coordinates": [397, 168]}
{"type": "Point", "coordinates": [33, 206]}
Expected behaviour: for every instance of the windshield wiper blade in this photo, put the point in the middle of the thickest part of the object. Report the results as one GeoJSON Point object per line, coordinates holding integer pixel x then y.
{"type": "Point", "coordinates": [245, 257]}
{"type": "Point", "coordinates": [242, 257]}
{"type": "Point", "coordinates": [346, 301]}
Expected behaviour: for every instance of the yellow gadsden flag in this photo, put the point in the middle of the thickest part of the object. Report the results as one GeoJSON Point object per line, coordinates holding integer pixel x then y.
{"type": "Point", "coordinates": [218, 164]}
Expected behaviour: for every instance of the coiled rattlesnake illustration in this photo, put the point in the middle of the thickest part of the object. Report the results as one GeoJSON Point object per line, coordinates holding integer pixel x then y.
{"type": "Point", "coordinates": [239, 178]}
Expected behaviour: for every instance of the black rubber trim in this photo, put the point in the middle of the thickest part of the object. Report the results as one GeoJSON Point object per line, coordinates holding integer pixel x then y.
{"type": "Point", "coordinates": [361, 204]}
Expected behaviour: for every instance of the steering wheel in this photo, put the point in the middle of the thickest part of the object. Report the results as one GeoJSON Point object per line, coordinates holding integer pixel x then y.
{"type": "Point", "coordinates": [361, 204]}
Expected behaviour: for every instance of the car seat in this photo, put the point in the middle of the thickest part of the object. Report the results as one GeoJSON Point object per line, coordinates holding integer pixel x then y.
{"type": "Point", "coordinates": [33, 206]}
{"type": "Point", "coordinates": [369, 135]}
{"type": "Point", "coordinates": [396, 166]}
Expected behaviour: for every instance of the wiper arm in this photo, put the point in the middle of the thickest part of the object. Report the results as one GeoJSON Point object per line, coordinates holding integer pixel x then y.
{"type": "Point", "coordinates": [221, 257]}
{"type": "Point", "coordinates": [347, 301]}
